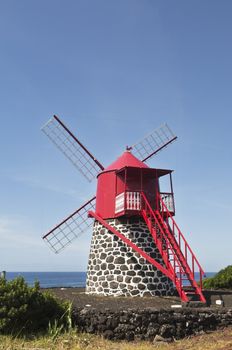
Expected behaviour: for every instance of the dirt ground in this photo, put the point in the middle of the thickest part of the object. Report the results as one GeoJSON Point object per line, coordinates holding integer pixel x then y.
{"type": "Point", "coordinates": [79, 299]}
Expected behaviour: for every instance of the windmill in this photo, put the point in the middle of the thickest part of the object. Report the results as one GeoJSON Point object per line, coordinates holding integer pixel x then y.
{"type": "Point", "coordinates": [137, 249]}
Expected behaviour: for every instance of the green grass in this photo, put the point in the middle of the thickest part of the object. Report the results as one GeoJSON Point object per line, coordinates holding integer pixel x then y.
{"type": "Point", "coordinates": [222, 280]}
{"type": "Point", "coordinates": [219, 340]}
{"type": "Point", "coordinates": [26, 310]}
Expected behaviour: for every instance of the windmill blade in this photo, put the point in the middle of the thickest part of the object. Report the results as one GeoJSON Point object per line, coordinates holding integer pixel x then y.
{"type": "Point", "coordinates": [70, 146]}
{"type": "Point", "coordinates": [70, 228]}
{"type": "Point", "coordinates": [153, 142]}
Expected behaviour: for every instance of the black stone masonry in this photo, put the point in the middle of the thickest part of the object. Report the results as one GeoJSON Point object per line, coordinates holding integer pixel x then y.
{"type": "Point", "coordinates": [115, 269]}
{"type": "Point", "coordinates": [151, 324]}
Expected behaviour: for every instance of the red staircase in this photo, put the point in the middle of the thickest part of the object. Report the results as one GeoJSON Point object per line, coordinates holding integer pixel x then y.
{"type": "Point", "coordinates": [180, 263]}
{"type": "Point", "coordinates": [177, 255]}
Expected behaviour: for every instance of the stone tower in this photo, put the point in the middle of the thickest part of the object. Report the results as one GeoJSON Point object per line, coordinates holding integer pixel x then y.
{"type": "Point", "coordinates": [115, 269]}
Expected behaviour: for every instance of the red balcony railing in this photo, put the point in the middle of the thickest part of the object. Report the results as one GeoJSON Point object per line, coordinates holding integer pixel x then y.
{"type": "Point", "coordinates": [168, 200]}
{"type": "Point", "coordinates": [128, 200]}
{"type": "Point", "coordinates": [132, 200]}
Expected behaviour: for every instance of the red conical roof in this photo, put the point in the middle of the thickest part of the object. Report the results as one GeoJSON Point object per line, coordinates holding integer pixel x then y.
{"type": "Point", "coordinates": [125, 160]}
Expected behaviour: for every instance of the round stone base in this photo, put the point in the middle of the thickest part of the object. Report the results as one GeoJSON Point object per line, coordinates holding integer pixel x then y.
{"type": "Point", "coordinates": [115, 269]}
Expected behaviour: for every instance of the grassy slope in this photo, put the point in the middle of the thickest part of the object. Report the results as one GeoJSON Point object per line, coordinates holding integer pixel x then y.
{"type": "Point", "coordinates": [220, 340]}
{"type": "Point", "coordinates": [223, 279]}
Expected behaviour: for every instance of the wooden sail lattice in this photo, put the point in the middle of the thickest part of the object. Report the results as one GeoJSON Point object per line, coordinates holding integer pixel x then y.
{"type": "Point", "coordinates": [70, 228]}
{"type": "Point", "coordinates": [72, 148]}
{"type": "Point", "coordinates": [153, 142]}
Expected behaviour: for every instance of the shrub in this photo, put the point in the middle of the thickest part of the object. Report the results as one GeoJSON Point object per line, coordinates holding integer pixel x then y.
{"type": "Point", "coordinates": [25, 309]}
{"type": "Point", "coordinates": [223, 279]}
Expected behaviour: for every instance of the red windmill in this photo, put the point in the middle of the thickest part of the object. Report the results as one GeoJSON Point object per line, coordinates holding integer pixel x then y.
{"type": "Point", "coordinates": [134, 228]}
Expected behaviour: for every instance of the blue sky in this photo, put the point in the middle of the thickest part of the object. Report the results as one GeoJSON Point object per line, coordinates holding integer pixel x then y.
{"type": "Point", "coordinates": [113, 71]}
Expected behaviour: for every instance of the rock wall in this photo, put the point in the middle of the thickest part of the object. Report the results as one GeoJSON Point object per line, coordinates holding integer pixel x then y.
{"type": "Point", "coordinates": [151, 324]}
{"type": "Point", "coordinates": [115, 269]}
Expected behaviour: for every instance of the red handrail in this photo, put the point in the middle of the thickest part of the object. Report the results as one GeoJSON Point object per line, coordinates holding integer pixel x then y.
{"type": "Point", "coordinates": [166, 215]}
{"type": "Point", "coordinates": [172, 267]}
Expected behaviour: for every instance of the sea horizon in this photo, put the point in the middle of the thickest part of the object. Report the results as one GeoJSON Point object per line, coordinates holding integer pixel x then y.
{"type": "Point", "coordinates": [51, 279]}
{"type": "Point", "coordinates": [60, 279]}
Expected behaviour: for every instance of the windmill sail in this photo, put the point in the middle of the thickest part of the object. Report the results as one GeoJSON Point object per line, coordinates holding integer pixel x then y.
{"type": "Point", "coordinates": [153, 143]}
{"type": "Point", "coordinates": [72, 148]}
{"type": "Point", "coordinates": [70, 228]}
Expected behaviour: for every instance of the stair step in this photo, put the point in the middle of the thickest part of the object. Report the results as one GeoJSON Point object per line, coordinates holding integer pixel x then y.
{"type": "Point", "coordinates": [188, 286]}
{"type": "Point", "coordinates": [190, 291]}
{"type": "Point", "coordinates": [194, 303]}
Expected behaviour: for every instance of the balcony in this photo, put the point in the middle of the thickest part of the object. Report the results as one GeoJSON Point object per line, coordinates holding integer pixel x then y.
{"type": "Point", "coordinates": [132, 201]}
{"type": "Point", "coordinates": [127, 201]}
{"type": "Point", "coordinates": [168, 201]}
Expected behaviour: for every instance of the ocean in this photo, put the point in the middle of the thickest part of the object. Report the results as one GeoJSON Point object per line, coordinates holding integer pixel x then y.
{"type": "Point", "coordinates": [61, 279]}
{"type": "Point", "coordinates": [51, 279]}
